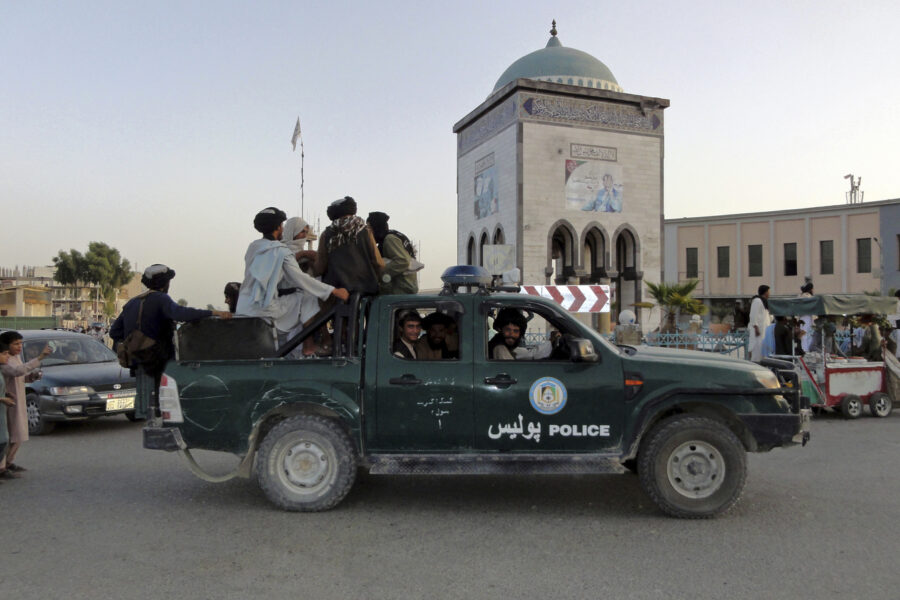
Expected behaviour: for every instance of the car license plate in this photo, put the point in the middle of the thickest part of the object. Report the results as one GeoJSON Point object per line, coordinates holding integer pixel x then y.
{"type": "Point", "coordinates": [124, 403]}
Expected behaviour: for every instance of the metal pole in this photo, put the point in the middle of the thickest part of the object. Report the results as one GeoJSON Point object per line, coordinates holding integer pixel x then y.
{"type": "Point", "coordinates": [302, 200]}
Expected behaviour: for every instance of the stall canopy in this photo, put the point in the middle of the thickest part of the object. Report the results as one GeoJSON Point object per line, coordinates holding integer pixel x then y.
{"type": "Point", "coordinates": [833, 304]}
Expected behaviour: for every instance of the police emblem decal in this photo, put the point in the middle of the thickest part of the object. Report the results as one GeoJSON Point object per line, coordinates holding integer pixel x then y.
{"type": "Point", "coordinates": [117, 386]}
{"type": "Point", "coordinates": [548, 395]}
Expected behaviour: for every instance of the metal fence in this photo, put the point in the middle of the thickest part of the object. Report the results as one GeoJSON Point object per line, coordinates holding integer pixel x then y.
{"type": "Point", "coordinates": [733, 344]}
{"type": "Point", "coordinates": [28, 322]}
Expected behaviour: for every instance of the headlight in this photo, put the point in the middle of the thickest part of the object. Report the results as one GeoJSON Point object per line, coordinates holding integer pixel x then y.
{"type": "Point", "coordinates": [767, 379]}
{"type": "Point", "coordinates": [72, 389]}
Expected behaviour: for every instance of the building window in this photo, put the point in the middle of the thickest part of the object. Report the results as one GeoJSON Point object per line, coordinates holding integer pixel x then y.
{"type": "Point", "coordinates": [470, 251]}
{"type": "Point", "coordinates": [754, 253]}
{"type": "Point", "coordinates": [864, 255]}
{"type": "Point", "coordinates": [484, 242]}
{"type": "Point", "coordinates": [826, 257]}
{"type": "Point", "coordinates": [790, 259]}
{"type": "Point", "coordinates": [691, 263]}
{"type": "Point", "coordinates": [723, 254]}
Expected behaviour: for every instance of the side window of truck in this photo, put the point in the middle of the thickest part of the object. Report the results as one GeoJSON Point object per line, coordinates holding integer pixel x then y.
{"type": "Point", "coordinates": [521, 334]}
{"type": "Point", "coordinates": [425, 333]}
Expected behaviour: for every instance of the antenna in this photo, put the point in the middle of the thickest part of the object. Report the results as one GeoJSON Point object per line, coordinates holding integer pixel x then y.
{"type": "Point", "coordinates": [854, 196]}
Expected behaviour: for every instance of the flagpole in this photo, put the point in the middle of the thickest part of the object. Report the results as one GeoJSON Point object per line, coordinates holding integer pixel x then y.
{"type": "Point", "coordinates": [298, 136]}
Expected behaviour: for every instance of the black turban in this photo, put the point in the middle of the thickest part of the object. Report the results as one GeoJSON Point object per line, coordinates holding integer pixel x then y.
{"type": "Point", "coordinates": [341, 208]}
{"type": "Point", "coordinates": [807, 288]}
{"type": "Point", "coordinates": [437, 318]}
{"type": "Point", "coordinates": [268, 219]}
{"type": "Point", "coordinates": [379, 223]}
{"type": "Point", "coordinates": [510, 315]}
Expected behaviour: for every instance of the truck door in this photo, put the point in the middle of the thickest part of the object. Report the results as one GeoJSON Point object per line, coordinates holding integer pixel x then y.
{"type": "Point", "coordinates": [543, 401]}
{"type": "Point", "coordinates": [423, 391]}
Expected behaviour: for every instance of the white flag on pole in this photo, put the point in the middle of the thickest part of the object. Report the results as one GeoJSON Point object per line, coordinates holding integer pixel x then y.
{"type": "Point", "coordinates": [296, 135]}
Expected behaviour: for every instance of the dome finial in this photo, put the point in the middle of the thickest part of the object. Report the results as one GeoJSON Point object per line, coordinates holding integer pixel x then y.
{"type": "Point", "coordinates": [553, 28]}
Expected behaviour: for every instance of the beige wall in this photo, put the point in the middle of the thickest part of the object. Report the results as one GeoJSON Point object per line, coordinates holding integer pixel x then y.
{"type": "Point", "coordinates": [823, 229]}
{"type": "Point", "coordinates": [722, 235]}
{"type": "Point", "coordinates": [789, 231]}
{"type": "Point", "coordinates": [863, 225]}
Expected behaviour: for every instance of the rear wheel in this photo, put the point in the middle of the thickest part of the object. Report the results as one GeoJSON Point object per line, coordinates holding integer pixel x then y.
{"type": "Point", "coordinates": [692, 467]}
{"type": "Point", "coordinates": [36, 423]}
{"type": "Point", "coordinates": [851, 406]}
{"type": "Point", "coordinates": [881, 404]}
{"type": "Point", "coordinates": [306, 463]}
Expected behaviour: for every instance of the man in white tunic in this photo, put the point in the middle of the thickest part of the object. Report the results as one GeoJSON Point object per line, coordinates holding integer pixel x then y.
{"type": "Point", "coordinates": [759, 320]}
{"type": "Point", "coordinates": [269, 265]}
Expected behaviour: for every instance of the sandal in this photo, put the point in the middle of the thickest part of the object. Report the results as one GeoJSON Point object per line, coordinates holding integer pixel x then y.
{"type": "Point", "coordinates": [16, 468]}
{"type": "Point", "coordinates": [7, 474]}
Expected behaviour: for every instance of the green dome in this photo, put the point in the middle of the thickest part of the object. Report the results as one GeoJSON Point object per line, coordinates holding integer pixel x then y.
{"type": "Point", "coordinates": [559, 64]}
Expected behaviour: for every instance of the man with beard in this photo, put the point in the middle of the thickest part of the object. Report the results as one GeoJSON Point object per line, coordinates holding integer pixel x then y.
{"type": "Point", "coordinates": [506, 344]}
{"type": "Point", "coordinates": [433, 345]}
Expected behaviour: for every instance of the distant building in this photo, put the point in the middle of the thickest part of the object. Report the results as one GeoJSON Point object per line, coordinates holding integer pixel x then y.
{"type": "Point", "coordinates": [847, 248]}
{"type": "Point", "coordinates": [32, 291]}
{"type": "Point", "coordinates": [566, 168]}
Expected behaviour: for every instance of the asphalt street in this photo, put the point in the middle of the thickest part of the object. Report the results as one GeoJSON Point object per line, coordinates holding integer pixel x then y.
{"type": "Point", "coordinates": [96, 517]}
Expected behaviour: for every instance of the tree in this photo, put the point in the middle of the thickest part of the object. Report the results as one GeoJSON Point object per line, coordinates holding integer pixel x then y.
{"type": "Point", "coordinates": [674, 299]}
{"type": "Point", "coordinates": [101, 265]}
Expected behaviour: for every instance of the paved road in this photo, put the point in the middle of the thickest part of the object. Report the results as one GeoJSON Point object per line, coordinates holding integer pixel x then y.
{"type": "Point", "coordinates": [98, 517]}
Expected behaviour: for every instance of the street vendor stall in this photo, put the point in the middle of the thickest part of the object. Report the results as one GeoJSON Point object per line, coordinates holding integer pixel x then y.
{"type": "Point", "coordinates": [829, 379]}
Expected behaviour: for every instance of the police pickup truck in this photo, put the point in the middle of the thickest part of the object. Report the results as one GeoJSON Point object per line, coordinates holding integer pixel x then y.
{"type": "Point", "coordinates": [683, 420]}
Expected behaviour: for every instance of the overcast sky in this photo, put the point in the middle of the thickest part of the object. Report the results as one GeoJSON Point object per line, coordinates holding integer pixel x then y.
{"type": "Point", "coordinates": [162, 127]}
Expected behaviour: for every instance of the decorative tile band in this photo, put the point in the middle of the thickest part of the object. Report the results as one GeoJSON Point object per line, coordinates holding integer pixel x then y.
{"type": "Point", "coordinates": [487, 126]}
{"type": "Point", "coordinates": [593, 152]}
{"type": "Point", "coordinates": [556, 109]}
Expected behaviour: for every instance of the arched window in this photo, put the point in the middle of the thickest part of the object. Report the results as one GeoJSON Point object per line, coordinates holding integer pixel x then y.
{"type": "Point", "coordinates": [498, 236]}
{"type": "Point", "coordinates": [470, 251]}
{"type": "Point", "coordinates": [484, 241]}
{"type": "Point", "coordinates": [595, 255]}
{"type": "Point", "coordinates": [562, 255]}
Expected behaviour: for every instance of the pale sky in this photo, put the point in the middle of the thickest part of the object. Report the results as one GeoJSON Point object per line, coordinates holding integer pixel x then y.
{"type": "Point", "coordinates": [161, 128]}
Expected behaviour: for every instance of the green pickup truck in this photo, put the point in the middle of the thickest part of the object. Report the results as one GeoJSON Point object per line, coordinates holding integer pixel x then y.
{"type": "Point", "coordinates": [682, 420]}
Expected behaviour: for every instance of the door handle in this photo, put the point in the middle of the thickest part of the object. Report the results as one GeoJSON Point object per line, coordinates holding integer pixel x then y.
{"type": "Point", "coordinates": [407, 379]}
{"type": "Point", "coordinates": [502, 380]}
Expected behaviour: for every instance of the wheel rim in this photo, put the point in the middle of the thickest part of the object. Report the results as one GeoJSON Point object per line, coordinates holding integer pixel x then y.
{"type": "Point", "coordinates": [854, 407]}
{"type": "Point", "coordinates": [696, 469]}
{"type": "Point", "coordinates": [34, 415]}
{"type": "Point", "coordinates": [305, 466]}
{"type": "Point", "coordinates": [881, 405]}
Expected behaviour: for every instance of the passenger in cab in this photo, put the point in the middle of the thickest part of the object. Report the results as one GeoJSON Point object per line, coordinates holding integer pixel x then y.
{"type": "Point", "coordinates": [507, 343]}
{"type": "Point", "coordinates": [274, 286]}
{"type": "Point", "coordinates": [409, 328]}
{"type": "Point", "coordinates": [433, 345]}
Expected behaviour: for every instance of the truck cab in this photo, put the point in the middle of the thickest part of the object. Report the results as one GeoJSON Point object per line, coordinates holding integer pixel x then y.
{"type": "Point", "coordinates": [560, 399]}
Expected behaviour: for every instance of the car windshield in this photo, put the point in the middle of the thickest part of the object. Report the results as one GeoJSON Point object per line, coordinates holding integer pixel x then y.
{"type": "Point", "coordinates": [69, 351]}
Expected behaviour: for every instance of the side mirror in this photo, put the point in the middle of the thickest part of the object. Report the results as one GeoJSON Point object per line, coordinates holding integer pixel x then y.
{"type": "Point", "coordinates": [582, 350]}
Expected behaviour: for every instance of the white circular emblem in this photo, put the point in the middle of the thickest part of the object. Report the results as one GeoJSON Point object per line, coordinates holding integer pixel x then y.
{"type": "Point", "coordinates": [117, 386]}
{"type": "Point", "coordinates": [548, 395]}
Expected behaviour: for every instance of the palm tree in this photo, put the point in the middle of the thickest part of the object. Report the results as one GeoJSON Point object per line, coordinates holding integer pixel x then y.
{"type": "Point", "coordinates": [674, 299]}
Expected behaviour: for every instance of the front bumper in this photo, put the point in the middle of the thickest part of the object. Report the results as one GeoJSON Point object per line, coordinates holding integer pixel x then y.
{"type": "Point", "coordinates": [78, 407]}
{"type": "Point", "coordinates": [163, 438]}
{"type": "Point", "coordinates": [774, 430]}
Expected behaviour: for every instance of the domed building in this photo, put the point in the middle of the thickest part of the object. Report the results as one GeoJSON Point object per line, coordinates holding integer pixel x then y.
{"type": "Point", "coordinates": [560, 174]}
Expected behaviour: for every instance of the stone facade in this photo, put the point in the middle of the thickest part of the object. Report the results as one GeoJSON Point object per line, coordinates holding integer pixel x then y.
{"type": "Point", "coordinates": [553, 153]}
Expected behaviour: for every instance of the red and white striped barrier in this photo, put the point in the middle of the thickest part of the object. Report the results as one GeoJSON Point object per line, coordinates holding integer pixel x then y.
{"type": "Point", "coordinates": [573, 298]}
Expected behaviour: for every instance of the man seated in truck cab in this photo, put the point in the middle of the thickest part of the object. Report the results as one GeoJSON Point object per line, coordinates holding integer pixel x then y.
{"type": "Point", "coordinates": [409, 328]}
{"type": "Point", "coordinates": [438, 343]}
{"type": "Point", "coordinates": [507, 344]}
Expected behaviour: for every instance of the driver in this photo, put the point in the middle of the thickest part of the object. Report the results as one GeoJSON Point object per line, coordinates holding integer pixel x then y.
{"type": "Point", "coordinates": [506, 344]}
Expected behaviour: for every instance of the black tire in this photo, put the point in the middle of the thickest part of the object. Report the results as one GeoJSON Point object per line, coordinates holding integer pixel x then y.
{"type": "Point", "coordinates": [306, 463]}
{"type": "Point", "coordinates": [36, 423]}
{"type": "Point", "coordinates": [881, 405]}
{"type": "Point", "coordinates": [851, 406]}
{"type": "Point", "coordinates": [632, 465]}
{"type": "Point", "coordinates": [671, 452]}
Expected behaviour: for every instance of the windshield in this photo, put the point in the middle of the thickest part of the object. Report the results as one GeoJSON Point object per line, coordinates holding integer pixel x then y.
{"type": "Point", "coordinates": [69, 351]}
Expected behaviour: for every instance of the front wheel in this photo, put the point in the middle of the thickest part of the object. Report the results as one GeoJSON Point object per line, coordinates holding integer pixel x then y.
{"type": "Point", "coordinates": [851, 406]}
{"type": "Point", "coordinates": [36, 424]}
{"type": "Point", "coordinates": [881, 404]}
{"type": "Point", "coordinates": [692, 467]}
{"type": "Point", "coordinates": [306, 463]}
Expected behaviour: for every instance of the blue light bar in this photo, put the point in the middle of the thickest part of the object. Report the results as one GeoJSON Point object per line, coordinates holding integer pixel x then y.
{"type": "Point", "coordinates": [466, 275]}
